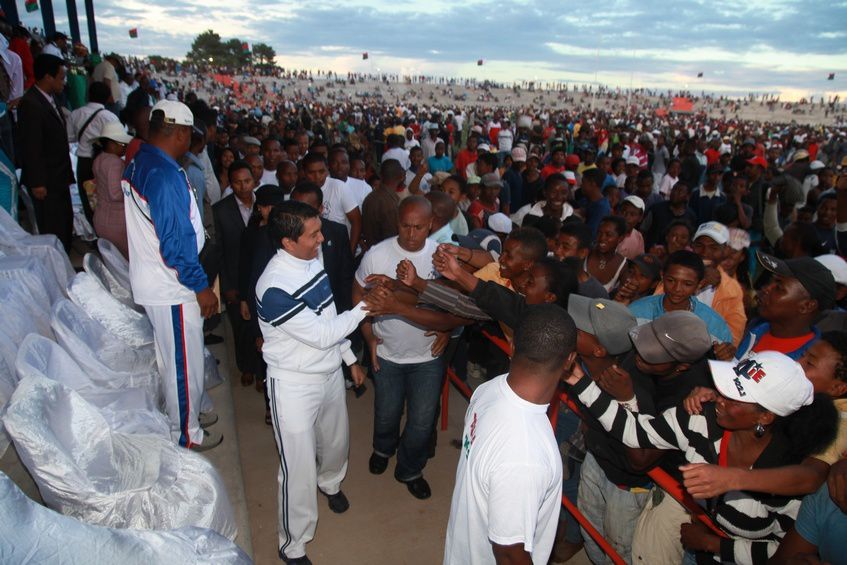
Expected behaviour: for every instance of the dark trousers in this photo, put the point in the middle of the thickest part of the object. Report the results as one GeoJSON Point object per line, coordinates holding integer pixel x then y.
{"type": "Point", "coordinates": [243, 341]}
{"type": "Point", "coordinates": [55, 214]}
{"type": "Point", "coordinates": [85, 172]}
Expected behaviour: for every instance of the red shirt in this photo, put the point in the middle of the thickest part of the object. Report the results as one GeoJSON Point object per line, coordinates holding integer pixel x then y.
{"type": "Point", "coordinates": [463, 159]}
{"type": "Point", "coordinates": [712, 156]}
{"type": "Point", "coordinates": [782, 344]}
{"type": "Point", "coordinates": [20, 46]}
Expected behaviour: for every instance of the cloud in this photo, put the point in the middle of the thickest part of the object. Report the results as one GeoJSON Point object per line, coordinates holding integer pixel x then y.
{"type": "Point", "coordinates": [773, 45]}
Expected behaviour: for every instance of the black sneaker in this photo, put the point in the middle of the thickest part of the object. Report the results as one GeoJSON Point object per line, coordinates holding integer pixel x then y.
{"type": "Point", "coordinates": [294, 560]}
{"type": "Point", "coordinates": [377, 464]}
{"type": "Point", "coordinates": [338, 503]}
{"type": "Point", "coordinates": [418, 487]}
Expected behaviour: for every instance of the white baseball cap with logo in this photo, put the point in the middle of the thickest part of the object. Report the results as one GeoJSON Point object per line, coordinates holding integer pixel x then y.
{"type": "Point", "coordinates": [715, 230]}
{"type": "Point", "coordinates": [770, 379]}
{"type": "Point", "coordinates": [175, 113]}
{"type": "Point", "coordinates": [836, 265]}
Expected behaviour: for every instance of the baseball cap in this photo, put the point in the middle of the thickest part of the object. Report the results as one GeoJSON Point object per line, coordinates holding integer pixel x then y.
{"type": "Point", "coordinates": [800, 154]}
{"type": "Point", "coordinates": [769, 379]}
{"type": "Point", "coordinates": [749, 141]}
{"type": "Point", "coordinates": [760, 161]}
{"type": "Point", "coordinates": [483, 147]}
{"type": "Point", "coordinates": [572, 160]}
{"type": "Point", "coordinates": [480, 239]}
{"type": "Point", "coordinates": [836, 265]}
{"type": "Point", "coordinates": [269, 195]}
{"type": "Point", "coordinates": [606, 320]}
{"type": "Point", "coordinates": [738, 239]}
{"type": "Point", "coordinates": [679, 336]}
{"type": "Point", "coordinates": [635, 201]}
{"type": "Point", "coordinates": [816, 165]}
{"type": "Point", "coordinates": [473, 179]}
{"type": "Point", "coordinates": [173, 112]}
{"type": "Point", "coordinates": [649, 265]}
{"type": "Point", "coordinates": [812, 274]}
{"type": "Point", "coordinates": [518, 154]}
{"type": "Point", "coordinates": [570, 177]}
{"type": "Point", "coordinates": [500, 223]}
{"type": "Point", "coordinates": [115, 132]}
{"type": "Point", "coordinates": [491, 179]}
{"type": "Point", "coordinates": [633, 161]}
{"type": "Point", "coordinates": [250, 140]}
{"type": "Point", "coordinates": [715, 230]}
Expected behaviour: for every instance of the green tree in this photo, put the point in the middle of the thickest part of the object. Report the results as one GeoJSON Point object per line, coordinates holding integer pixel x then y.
{"type": "Point", "coordinates": [263, 54]}
{"type": "Point", "coordinates": [207, 47]}
{"type": "Point", "coordinates": [235, 54]}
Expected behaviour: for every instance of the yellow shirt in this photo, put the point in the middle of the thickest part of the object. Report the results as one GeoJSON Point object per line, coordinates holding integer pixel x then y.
{"type": "Point", "coordinates": [838, 448]}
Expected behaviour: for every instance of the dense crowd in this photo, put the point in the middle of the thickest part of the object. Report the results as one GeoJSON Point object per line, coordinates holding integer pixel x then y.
{"type": "Point", "coordinates": [678, 276]}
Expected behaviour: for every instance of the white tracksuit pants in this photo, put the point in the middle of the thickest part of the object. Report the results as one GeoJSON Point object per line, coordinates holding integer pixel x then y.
{"type": "Point", "coordinates": [312, 434]}
{"type": "Point", "coordinates": [178, 332]}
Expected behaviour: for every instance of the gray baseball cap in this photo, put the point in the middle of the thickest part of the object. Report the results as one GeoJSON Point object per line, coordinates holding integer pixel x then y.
{"type": "Point", "coordinates": [606, 320]}
{"type": "Point", "coordinates": [674, 336]}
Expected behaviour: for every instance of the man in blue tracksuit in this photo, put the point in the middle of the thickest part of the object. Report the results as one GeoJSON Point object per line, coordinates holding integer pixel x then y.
{"type": "Point", "coordinates": [165, 234]}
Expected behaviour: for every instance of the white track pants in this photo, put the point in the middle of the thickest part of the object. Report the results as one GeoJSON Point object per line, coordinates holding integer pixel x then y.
{"type": "Point", "coordinates": [178, 331]}
{"type": "Point", "coordinates": [312, 434]}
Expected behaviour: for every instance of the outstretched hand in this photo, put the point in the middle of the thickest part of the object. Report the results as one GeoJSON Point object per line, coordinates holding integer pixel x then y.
{"type": "Point", "coordinates": [445, 263]}
{"type": "Point", "coordinates": [406, 272]}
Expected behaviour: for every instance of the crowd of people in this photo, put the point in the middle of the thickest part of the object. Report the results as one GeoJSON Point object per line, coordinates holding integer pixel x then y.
{"type": "Point", "coordinates": [678, 277]}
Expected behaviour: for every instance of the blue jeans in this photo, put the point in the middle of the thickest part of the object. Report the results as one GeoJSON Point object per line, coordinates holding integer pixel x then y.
{"type": "Point", "coordinates": [418, 386]}
{"type": "Point", "coordinates": [611, 510]}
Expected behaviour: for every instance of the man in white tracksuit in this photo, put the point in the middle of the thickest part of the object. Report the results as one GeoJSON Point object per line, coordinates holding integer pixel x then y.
{"type": "Point", "coordinates": [304, 346]}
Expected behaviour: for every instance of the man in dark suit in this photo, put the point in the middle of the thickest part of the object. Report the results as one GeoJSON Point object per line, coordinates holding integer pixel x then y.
{"type": "Point", "coordinates": [43, 150]}
{"type": "Point", "coordinates": [335, 249]}
{"type": "Point", "coordinates": [231, 215]}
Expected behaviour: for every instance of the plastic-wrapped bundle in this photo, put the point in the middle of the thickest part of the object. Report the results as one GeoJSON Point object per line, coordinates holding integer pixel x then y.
{"type": "Point", "coordinates": [94, 266]}
{"type": "Point", "coordinates": [8, 382]}
{"type": "Point", "coordinates": [85, 469]}
{"type": "Point", "coordinates": [127, 409]}
{"type": "Point", "coordinates": [109, 361]}
{"type": "Point", "coordinates": [33, 273]}
{"type": "Point", "coordinates": [32, 533]}
{"type": "Point", "coordinates": [15, 241]}
{"type": "Point", "coordinates": [132, 327]}
{"type": "Point", "coordinates": [115, 262]}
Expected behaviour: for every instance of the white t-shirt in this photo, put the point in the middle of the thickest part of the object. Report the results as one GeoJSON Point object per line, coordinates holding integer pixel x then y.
{"type": "Point", "coordinates": [338, 202]}
{"type": "Point", "coordinates": [400, 155]}
{"type": "Point", "coordinates": [424, 185]}
{"type": "Point", "coordinates": [505, 139]}
{"type": "Point", "coordinates": [402, 341]}
{"type": "Point", "coordinates": [359, 188]}
{"type": "Point", "coordinates": [508, 481]}
{"type": "Point", "coordinates": [268, 177]}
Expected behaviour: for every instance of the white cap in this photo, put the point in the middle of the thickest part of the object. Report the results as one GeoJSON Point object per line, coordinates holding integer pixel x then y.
{"type": "Point", "coordinates": [816, 166]}
{"type": "Point", "coordinates": [500, 223]}
{"type": "Point", "coordinates": [483, 147]}
{"type": "Point", "coordinates": [715, 230]}
{"type": "Point", "coordinates": [115, 132]}
{"type": "Point", "coordinates": [250, 140]}
{"type": "Point", "coordinates": [836, 265]}
{"type": "Point", "coordinates": [633, 161]}
{"type": "Point", "coordinates": [176, 113]}
{"type": "Point", "coordinates": [770, 379]}
{"type": "Point", "coordinates": [570, 177]}
{"type": "Point", "coordinates": [738, 239]}
{"type": "Point", "coordinates": [635, 201]}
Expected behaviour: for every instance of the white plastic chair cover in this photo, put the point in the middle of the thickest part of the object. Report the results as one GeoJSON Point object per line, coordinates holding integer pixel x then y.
{"type": "Point", "coordinates": [107, 360]}
{"type": "Point", "coordinates": [23, 539]}
{"type": "Point", "coordinates": [33, 273]}
{"type": "Point", "coordinates": [132, 327]}
{"type": "Point", "coordinates": [115, 261]}
{"type": "Point", "coordinates": [127, 409]}
{"type": "Point", "coordinates": [47, 247]}
{"type": "Point", "coordinates": [85, 469]}
{"type": "Point", "coordinates": [94, 266]}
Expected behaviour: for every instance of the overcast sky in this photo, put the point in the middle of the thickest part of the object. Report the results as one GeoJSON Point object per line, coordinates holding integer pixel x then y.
{"type": "Point", "coordinates": [787, 46]}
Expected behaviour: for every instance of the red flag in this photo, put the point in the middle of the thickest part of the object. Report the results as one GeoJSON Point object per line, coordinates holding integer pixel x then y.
{"type": "Point", "coordinates": [479, 62]}
{"type": "Point", "coordinates": [365, 56]}
{"type": "Point", "coordinates": [245, 47]}
{"type": "Point", "coordinates": [133, 33]}
{"type": "Point", "coordinates": [31, 5]}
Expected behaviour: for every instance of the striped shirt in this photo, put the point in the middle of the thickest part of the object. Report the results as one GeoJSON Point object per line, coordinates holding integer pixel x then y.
{"type": "Point", "coordinates": [755, 522]}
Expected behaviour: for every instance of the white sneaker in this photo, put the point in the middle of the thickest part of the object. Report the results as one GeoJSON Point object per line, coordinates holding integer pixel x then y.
{"type": "Point", "coordinates": [210, 440]}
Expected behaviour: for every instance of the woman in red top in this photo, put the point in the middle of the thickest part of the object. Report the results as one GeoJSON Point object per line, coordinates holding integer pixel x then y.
{"type": "Point", "coordinates": [467, 156]}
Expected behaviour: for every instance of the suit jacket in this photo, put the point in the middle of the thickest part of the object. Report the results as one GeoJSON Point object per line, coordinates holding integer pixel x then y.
{"type": "Point", "coordinates": [43, 148]}
{"type": "Point", "coordinates": [338, 263]}
{"type": "Point", "coordinates": [228, 229]}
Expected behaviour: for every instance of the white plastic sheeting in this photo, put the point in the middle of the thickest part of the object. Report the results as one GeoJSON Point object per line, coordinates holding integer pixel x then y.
{"type": "Point", "coordinates": [132, 327]}
{"type": "Point", "coordinates": [15, 241]}
{"type": "Point", "coordinates": [94, 266]}
{"type": "Point", "coordinates": [33, 273]}
{"type": "Point", "coordinates": [86, 470]}
{"type": "Point", "coordinates": [127, 409]}
{"type": "Point", "coordinates": [108, 361]}
{"type": "Point", "coordinates": [31, 533]}
{"type": "Point", "coordinates": [115, 261]}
